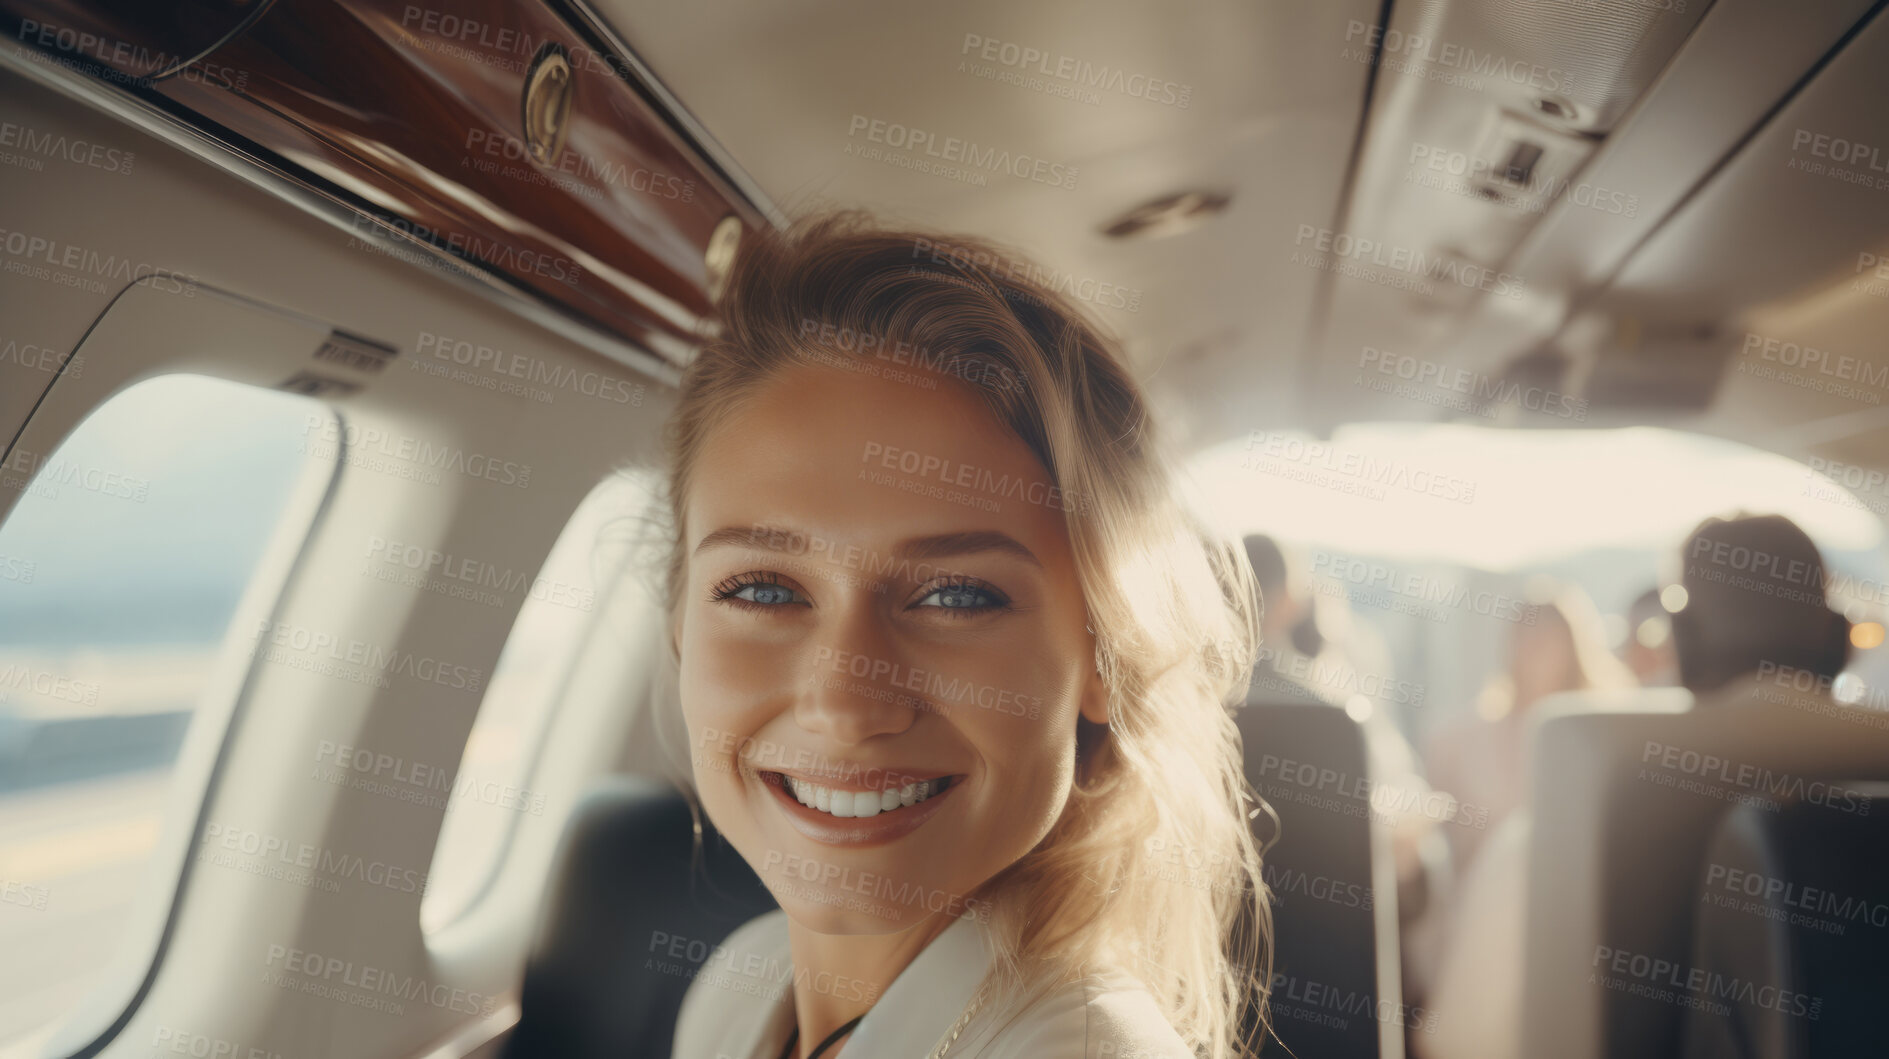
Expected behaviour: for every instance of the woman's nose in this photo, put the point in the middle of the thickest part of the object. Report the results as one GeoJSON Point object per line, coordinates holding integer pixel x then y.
{"type": "Point", "coordinates": [857, 685]}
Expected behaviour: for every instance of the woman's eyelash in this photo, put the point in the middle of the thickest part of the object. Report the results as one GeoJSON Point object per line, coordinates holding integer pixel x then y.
{"type": "Point", "coordinates": [967, 596]}
{"type": "Point", "coordinates": [965, 586]}
{"type": "Point", "coordinates": [725, 591]}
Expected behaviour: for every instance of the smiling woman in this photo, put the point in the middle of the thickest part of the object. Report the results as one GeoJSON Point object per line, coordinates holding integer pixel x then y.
{"type": "Point", "coordinates": [954, 661]}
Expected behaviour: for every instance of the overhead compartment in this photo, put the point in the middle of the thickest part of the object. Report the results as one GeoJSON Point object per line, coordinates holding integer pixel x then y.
{"type": "Point", "coordinates": [513, 140]}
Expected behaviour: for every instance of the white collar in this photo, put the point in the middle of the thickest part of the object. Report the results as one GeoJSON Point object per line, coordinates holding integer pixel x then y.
{"type": "Point", "coordinates": [924, 1001]}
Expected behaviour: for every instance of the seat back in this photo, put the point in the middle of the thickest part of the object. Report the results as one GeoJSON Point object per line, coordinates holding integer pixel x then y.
{"type": "Point", "coordinates": [1335, 950]}
{"type": "Point", "coordinates": [1795, 898]}
{"type": "Point", "coordinates": [1626, 807]}
{"type": "Point", "coordinates": [631, 915]}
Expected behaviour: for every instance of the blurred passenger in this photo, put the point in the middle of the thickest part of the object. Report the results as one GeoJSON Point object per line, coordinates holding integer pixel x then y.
{"type": "Point", "coordinates": [1751, 600]}
{"type": "Point", "coordinates": [1284, 673]}
{"type": "Point", "coordinates": [1749, 608]}
{"type": "Point", "coordinates": [1754, 634]}
{"type": "Point", "coordinates": [1648, 648]}
{"type": "Point", "coordinates": [1301, 662]}
{"type": "Point", "coordinates": [1480, 758]}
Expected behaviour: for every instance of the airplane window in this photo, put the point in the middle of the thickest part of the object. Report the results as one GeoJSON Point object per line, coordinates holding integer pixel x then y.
{"type": "Point", "coordinates": [493, 789]}
{"type": "Point", "coordinates": [123, 569]}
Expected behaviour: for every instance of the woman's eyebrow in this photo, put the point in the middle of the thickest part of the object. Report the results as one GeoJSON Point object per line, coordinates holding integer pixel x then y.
{"type": "Point", "coordinates": [965, 544]}
{"type": "Point", "coordinates": [766, 538]}
{"type": "Point", "coordinates": [770, 538]}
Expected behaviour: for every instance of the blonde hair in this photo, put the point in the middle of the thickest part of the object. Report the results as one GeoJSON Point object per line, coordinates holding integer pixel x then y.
{"type": "Point", "coordinates": [1152, 867]}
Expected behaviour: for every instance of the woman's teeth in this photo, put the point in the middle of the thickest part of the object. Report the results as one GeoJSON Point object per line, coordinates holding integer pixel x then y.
{"type": "Point", "coordinates": [849, 804]}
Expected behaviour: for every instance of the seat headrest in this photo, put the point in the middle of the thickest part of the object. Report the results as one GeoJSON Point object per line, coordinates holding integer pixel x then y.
{"type": "Point", "coordinates": [631, 914]}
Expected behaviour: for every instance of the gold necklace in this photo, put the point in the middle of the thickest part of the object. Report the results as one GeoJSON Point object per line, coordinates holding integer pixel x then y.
{"type": "Point", "coordinates": [958, 1027]}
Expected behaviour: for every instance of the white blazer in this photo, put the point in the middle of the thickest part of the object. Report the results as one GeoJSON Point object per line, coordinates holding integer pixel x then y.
{"type": "Point", "coordinates": [741, 1006]}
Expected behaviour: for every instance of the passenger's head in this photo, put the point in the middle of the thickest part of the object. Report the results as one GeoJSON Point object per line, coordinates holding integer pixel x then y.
{"type": "Point", "coordinates": [924, 531]}
{"type": "Point", "coordinates": [1648, 648]}
{"type": "Point", "coordinates": [1754, 594]}
{"type": "Point", "coordinates": [1278, 581]}
{"type": "Point", "coordinates": [1560, 646]}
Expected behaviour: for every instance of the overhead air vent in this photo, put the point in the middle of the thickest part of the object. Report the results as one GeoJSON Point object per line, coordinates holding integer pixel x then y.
{"type": "Point", "coordinates": [1586, 62]}
{"type": "Point", "coordinates": [1523, 164]}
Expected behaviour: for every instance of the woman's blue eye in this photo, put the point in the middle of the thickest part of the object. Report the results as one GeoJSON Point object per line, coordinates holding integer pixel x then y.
{"type": "Point", "coordinates": [961, 597]}
{"type": "Point", "coordinates": [766, 594]}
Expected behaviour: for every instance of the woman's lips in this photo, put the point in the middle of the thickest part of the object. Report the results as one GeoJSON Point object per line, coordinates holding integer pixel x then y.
{"type": "Point", "coordinates": [827, 829]}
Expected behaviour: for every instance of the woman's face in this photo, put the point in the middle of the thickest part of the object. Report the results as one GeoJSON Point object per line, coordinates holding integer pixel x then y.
{"type": "Point", "coordinates": [1542, 658]}
{"type": "Point", "coordinates": [879, 596]}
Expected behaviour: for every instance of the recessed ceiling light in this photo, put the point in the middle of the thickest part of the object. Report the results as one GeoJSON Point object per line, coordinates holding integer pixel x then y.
{"type": "Point", "coordinates": [1169, 215]}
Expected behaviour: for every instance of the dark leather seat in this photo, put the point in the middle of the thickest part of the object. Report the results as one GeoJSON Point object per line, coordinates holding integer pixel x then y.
{"type": "Point", "coordinates": [1335, 907]}
{"type": "Point", "coordinates": [1627, 807]}
{"type": "Point", "coordinates": [1795, 904]}
{"type": "Point", "coordinates": [631, 914]}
